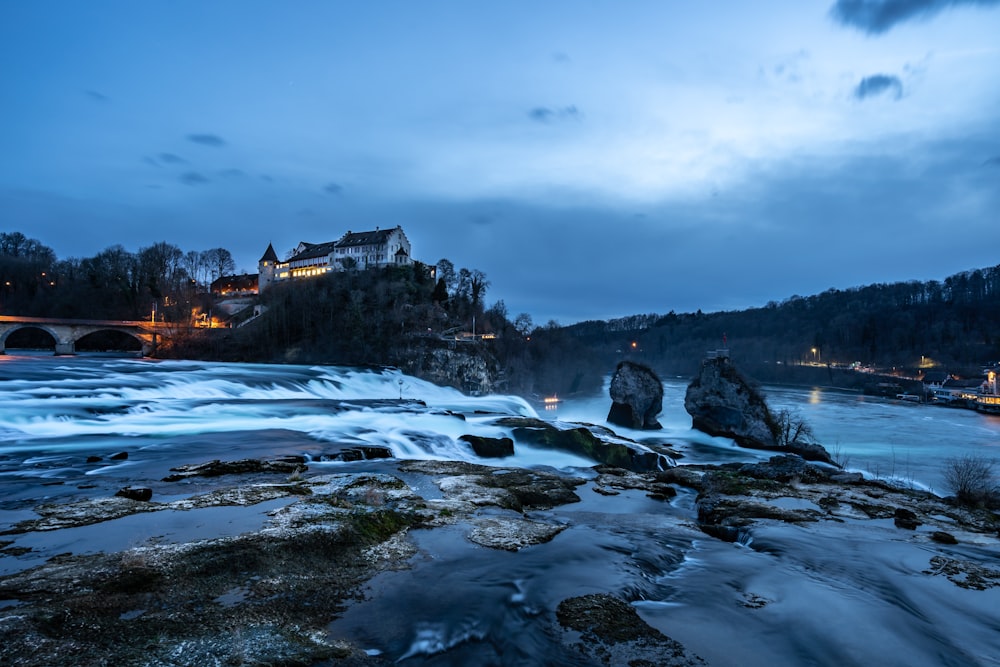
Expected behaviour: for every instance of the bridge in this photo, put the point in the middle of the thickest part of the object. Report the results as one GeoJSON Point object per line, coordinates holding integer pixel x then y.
{"type": "Point", "coordinates": [66, 332]}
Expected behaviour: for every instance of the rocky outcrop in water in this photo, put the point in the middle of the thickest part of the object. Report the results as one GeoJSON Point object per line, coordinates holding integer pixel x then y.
{"type": "Point", "coordinates": [609, 631]}
{"type": "Point", "coordinates": [584, 441]}
{"type": "Point", "coordinates": [723, 403]}
{"type": "Point", "coordinates": [469, 367]}
{"type": "Point", "coordinates": [636, 397]}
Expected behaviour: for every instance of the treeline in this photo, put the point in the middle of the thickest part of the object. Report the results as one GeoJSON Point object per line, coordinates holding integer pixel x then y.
{"type": "Point", "coordinates": [113, 284]}
{"type": "Point", "coordinates": [953, 323]}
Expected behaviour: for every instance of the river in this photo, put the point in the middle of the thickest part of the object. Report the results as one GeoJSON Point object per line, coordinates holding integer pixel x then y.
{"type": "Point", "coordinates": [830, 594]}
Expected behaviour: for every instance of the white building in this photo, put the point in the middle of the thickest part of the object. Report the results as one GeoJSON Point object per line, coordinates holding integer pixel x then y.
{"type": "Point", "coordinates": [361, 250]}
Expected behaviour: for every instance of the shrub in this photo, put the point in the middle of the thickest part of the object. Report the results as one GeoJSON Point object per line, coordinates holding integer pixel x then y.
{"type": "Point", "coordinates": [971, 479]}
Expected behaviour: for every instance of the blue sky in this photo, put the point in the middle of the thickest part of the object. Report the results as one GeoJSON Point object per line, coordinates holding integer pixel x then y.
{"type": "Point", "coordinates": [595, 159]}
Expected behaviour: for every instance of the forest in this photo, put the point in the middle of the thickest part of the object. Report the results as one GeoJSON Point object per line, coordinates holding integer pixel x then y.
{"type": "Point", "coordinates": [377, 317]}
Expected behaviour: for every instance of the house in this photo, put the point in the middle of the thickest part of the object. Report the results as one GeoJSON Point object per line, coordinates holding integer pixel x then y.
{"type": "Point", "coordinates": [361, 250]}
{"type": "Point", "coordinates": [229, 286]}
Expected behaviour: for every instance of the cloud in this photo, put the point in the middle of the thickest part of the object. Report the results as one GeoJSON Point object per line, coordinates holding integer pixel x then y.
{"type": "Point", "coordinates": [878, 16]}
{"type": "Point", "coordinates": [548, 114]}
{"type": "Point", "coordinates": [877, 84]}
{"type": "Point", "coordinates": [193, 178]}
{"type": "Point", "coordinates": [170, 158]}
{"type": "Point", "coordinates": [207, 140]}
{"type": "Point", "coordinates": [96, 96]}
{"type": "Point", "coordinates": [333, 188]}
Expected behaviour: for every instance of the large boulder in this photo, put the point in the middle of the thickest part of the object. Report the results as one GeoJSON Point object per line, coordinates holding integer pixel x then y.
{"type": "Point", "coordinates": [722, 402]}
{"type": "Point", "coordinates": [636, 397]}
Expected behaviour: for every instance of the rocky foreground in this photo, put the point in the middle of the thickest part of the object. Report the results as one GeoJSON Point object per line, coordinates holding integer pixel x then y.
{"type": "Point", "coordinates": [268, 595]}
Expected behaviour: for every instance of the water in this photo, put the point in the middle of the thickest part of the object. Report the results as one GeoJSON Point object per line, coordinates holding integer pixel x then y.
{"type": "Point", "coordinates": [828, 594]}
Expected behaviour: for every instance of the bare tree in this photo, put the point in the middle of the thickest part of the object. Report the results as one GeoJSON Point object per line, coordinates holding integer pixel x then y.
{"type": "Point", "coordinates": [219, 261]}
{"type": "Point", "coordinates": [971, 479]}
{"type": "Point", "coordinates": [791, 429]}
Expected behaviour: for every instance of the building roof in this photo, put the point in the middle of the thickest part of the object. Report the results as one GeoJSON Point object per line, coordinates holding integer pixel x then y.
{"type": "Point", "coordinates": [313, 250]}
{"type": "Point", "coordinates": [351, 239]}
{"type": "Point", "coordinates": [348, 240]}
{"type": "Point", "coordinates": [269, 254]}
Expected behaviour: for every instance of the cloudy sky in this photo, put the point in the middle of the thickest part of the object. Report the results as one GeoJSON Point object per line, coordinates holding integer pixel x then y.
{"type": "Point", "coordinates": [595, 159]}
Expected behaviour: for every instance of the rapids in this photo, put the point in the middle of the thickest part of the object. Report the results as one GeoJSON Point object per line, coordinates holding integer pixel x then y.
{"type": "Point", "coordinates": [829, 594]}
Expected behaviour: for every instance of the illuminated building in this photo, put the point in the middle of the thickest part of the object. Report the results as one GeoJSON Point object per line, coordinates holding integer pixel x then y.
{"type": "Point", "coordinates": [360, 250]}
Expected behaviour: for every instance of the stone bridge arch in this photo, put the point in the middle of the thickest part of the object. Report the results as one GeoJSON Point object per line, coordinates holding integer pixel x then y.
{"type": "Point", "coordinates": [66, 334]}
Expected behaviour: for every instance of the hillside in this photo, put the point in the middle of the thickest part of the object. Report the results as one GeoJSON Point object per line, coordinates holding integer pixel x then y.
{"type": "Point", "coordinates": [952, 325]}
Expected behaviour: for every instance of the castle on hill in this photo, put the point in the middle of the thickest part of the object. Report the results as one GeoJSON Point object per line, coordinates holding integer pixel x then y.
{"type": "Point", "coordinates": [361, 250]}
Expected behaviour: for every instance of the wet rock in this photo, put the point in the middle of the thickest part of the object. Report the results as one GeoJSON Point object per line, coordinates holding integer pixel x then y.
{"type": "Point", "coordinates": [942, 537]}
{"type": "Point", "coordinates": [662, 492]}
{"type": "Point", "coordinates": [583, 441]}
{"type": "Point", "coordinates": [141, 493]}
{"type": "Point", "coordinates": [93, 459]}
{"type": "Point", "coordinates": [489, 448]}
{"type": "Point", "coordinates": [964, 573]}
{"type": "Point", "coordinates": [731, 534]}
{"type": "Point", "coordinates": [742, 511]}
{"type": "Point", "coordinates": [610, 632]}
{"type": "Point", "coordinates": [120, 456]}
{"type": "Point", "coordinates": [281, 464]}
{"type": "Point", "coordinates": [359, 453]}
{"type": "Point", "coordinates": [682, 475]}
{"type": "Point", "coordinates": [636, 397]}
{"type": "Point", "coordinates": [511, 534]}
{"type": "Point", "coordinates": [786, 468]}
{"type": "Point", "coordinates": [847, 478]}
{"type": "Point", "coordinates": [905, 518]}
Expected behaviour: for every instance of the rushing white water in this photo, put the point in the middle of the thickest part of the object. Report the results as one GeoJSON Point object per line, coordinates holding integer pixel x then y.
{"type": "Point", "coordinates": [824, 594]}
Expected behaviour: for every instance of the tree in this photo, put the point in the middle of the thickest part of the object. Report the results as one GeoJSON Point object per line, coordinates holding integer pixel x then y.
{"type": "Point", "coordinates": [477, 287]}
{"type": "Point", "coordinates": [440, 294]}
{"type": "Point", "coordinates": [971, 479]}
{"type": "Point", "coordinates": [523, 324]}
{"type": "Point", "coordinates": [791, 429]}
{"type": "Point", "coordinates": [194, 264]}
{"type": "Point", "coordinates": [220, 262]}
{"type": "Point", "coordinates": [446, 271]}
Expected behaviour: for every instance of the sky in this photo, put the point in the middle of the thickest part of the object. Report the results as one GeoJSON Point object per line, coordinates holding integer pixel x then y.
{"type": "Point", "coordinates": [595, 159]}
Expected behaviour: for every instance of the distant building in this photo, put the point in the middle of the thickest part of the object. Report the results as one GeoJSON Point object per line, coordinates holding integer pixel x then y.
{"type": "Point", "coordinates": [361, 250]}
{"type": "Point", "coordinates": [230, 286]}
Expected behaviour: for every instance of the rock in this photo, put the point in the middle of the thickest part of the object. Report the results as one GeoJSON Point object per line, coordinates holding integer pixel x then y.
{"type": "Point", "coordinates": [281, 464]}
{"type": "Point", "coordinates": [847, 478]}
{"type": "Point", "coordinates": [681, 475]}
{"type": "Point", "coordinates": [786, 468]}
{"type": "Point", "coordinates": [511, 534]}
{"type": "Point", "coordinates": [905, 518]}
{"type": "Point", "coordinates": [359, 453]}
{"type": "Point", "coordinates": [93, 459]}
{"type": "Point", "coordinates": [637, 397]}
{"type": "Point", "coordinates": [582, 440]}
{"type": "Point", "coordinates": [489, 448]}
{"type": "Point", "coordinates": [515, 489]}
{"type": "Point", "coordinates": [722, 402]}
{"type": "Point", "coordinates": [141, 493]}
{"type": "Point", "coordinates": [610, 632]}
{"type": "Point", "coordinates": [120, 456]}
{"type": "Point", "coordinates": [942, 537]}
